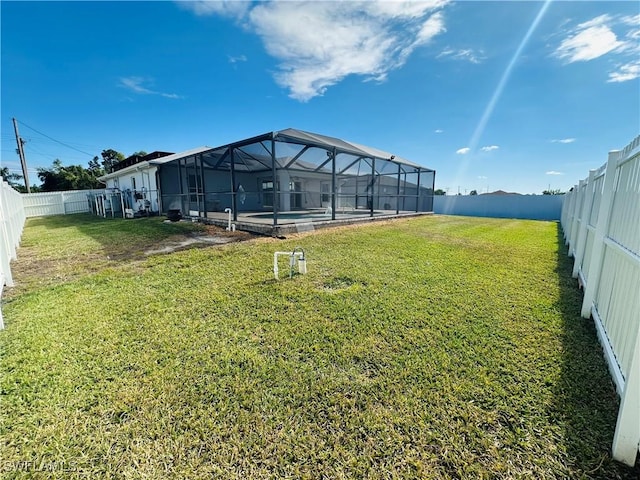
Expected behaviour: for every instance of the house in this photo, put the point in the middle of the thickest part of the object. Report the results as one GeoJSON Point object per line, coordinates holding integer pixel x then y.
{"type": "Point", "coordinates": [134, 179]}
{"type": "Point", "coordinates": [282, 177]}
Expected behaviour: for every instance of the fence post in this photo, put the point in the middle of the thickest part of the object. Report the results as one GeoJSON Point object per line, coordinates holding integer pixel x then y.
{"type": "Point", "coordinates": [597, 250]}
{"type": "Point", "coordinates": [570, 220]}
{"type": "Point", "coordinates": [6, 245]}
{"type": "Point", "coordinates": [625, 440]}
{"type": "Point", "coordinates": [581, 239]}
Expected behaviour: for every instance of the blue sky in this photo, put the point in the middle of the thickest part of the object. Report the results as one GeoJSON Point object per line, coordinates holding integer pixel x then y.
{"type": "Point", "coordinates": [518, 96]}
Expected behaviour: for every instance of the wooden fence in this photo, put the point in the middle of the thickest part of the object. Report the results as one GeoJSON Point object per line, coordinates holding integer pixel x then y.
{"type": "Point", "coordinates": [601, 223]}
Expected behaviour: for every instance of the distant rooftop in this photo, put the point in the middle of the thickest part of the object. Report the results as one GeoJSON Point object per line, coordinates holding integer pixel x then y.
{"type": "Point", "coordinates": [134, 159]}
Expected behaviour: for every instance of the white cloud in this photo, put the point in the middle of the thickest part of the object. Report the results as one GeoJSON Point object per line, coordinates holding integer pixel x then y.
{"type": "Point", "coordinates": [439, 130]}
{"type": "Point", "coordinates": [463, 151]}
{"type": "Point", "coordinates": [588, 44]}
{"type": "Point", "coordinates": [318, 44]}
{"type": "Point", "coordinates": [239, 58]}
{"type": "Point", "coordinates": [136, 85]}
{"type": "Point", "coordinates": [605, 35]}
{"type": "Point", "coordinates": [631, 20]}
{"type": "Point", "coordinates": [481, 177]}
{"type": "Point", "coordinates": [226, 8]}
{"type": "Point", "coordinates": [489, 148]}
{"type": "Point", "coordinates": [625, 72]}
{"type": "Point", "coordinates": [563, 140]}
{"type": "Point", "coordinates": [463, 54]}
{"type": "Point", "coordinates": [553, 172]}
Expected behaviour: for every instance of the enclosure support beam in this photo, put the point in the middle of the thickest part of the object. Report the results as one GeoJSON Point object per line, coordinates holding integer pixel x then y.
{"type": "Point", "coordinates": [182, 187]}
{"type": "Point", "coordinates": [233, 186]}
{"type": "Point", "coordinates": [203, 189]}
{"type": "Point", "coordinates": [274, 173]}
{"type": "Point", "coordinates": [296, 157]}
{"type": "Point", "coordinates": [418, 192]}
{"type": "Point", "coordinates": [219, 162]}
{"type": "Point", "coordinates": [373, 184]}
{"type": "Point", "coordinates": [398, 193]}
{"type": "Point", "coordinates": [334, 184]}
{"type": "Point", "coordinates": [351, 165]}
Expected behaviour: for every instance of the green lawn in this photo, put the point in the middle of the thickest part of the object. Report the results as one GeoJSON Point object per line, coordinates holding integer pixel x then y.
{"type": "Point", "coordinates": [436, 347]}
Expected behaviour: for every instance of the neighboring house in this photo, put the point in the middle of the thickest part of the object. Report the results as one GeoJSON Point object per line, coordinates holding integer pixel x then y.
{"type": "Point", "coordinates": [136, 178]}
{"type": "Point", "coordinates": [500, 192]}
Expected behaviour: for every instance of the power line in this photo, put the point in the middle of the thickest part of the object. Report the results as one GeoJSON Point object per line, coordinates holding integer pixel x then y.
{"type": "Point", "coordinates": [57, 141]}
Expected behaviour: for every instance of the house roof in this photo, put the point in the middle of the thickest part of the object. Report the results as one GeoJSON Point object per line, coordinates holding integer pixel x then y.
{"type": "Point", "coordinates": [135, 159]}
{"type": "Point", "coordinates": [152, 161]}
{"type": "Point", "coordinates": [177, 156]}
{"type": "Point", "coordinates": [288, 135]}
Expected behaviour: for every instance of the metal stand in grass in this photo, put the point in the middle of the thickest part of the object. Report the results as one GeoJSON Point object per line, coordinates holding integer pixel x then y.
{"type": "Point", "coordinates": [296, 255]}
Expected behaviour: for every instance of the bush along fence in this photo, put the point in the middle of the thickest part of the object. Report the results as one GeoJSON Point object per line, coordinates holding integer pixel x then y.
{"type": "Point", "coordinates": [601, 224]}
{"type": "Point", "coordinates": [12, 217]}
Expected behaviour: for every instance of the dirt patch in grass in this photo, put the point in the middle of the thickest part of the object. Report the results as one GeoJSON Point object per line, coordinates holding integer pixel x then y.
{"type": "Point", "coordinates": [92, 244]}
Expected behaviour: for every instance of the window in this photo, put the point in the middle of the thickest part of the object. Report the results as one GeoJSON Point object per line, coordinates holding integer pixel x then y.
{"type": "Point", "coordinates": [133, 183]}
{"type": "Point", "coordinates": [325, 197]}
{"type": "Point", "coordinates": [266, 186]}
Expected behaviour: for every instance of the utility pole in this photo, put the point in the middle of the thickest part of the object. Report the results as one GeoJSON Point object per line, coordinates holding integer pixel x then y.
{"type": "Point", "coordinates": [23, 161]}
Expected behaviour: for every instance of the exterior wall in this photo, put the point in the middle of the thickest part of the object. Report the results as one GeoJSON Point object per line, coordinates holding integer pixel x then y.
{"type": "Point", "coordinates": [532, 207]}
{"type": "Point", "coordinates": [142, 180]}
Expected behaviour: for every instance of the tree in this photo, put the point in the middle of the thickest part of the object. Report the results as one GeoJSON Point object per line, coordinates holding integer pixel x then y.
{"type": "Point", "coordinates": [12, 179]}
{"type": "Point", "coordinates": [94, 166]}
{"type": "Point", "coordinates": [16, 181]}
{"type": "Point", "coordinates": [439, 191]}
{"type": "Point", "coordinates": [473, 192]}
{"type": "Point", "coordinates": [109, 158]}
{"type": "Point", "coordinates": [553, 192]}
{"type": "Point", "coordinates": [141, 153]}
{"type": "Point", "coordinates": [73, 177]}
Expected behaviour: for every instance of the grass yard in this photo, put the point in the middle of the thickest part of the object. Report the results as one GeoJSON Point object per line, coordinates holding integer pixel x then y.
{"type": "Point", "coordinates": [435, 347]}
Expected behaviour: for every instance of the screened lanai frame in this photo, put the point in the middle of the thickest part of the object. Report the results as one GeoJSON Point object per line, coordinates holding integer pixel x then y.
{"type": "Point", "coordinates": [292, 176]}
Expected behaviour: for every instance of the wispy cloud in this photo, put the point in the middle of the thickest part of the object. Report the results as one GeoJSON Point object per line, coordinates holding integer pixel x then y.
{"type": "Point", "coordinates": [137, 85]}
{"type": "Point", "coordinates": [239, 58]}
{"type": "Point", "coordinates": [225, 8]}
{"type": "Point", "coordinates": [563, 140]}
{"type": "Point", "coordinates": [553, 172]}
{"type": "Point", "coordinates": [628, 71]}
{"type": "Point", "coordinates": [467, 54]}
{"type": "Point", "coordinates": [481, 177]}
{"type": "Point", "coordinates": [490, 148]}
{"type": "Point", "coordinates": [318, 44]}
{"type": "Point", "coordinates": [439, 130]}
{"type": "Point", "coordinates": [602, 35]}
{"type": "Point", "coordinates": [463, 151]}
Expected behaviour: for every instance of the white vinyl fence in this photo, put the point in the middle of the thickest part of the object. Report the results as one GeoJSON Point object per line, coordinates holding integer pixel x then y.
{"type": "Point", "coordinates": [57, 203]}
{"type": "Point", "coordinates": [16, 207]}
{"type": "Point", "coordinates": [601, 224]}
{"type": "Point", "coordinates": [12, 219]}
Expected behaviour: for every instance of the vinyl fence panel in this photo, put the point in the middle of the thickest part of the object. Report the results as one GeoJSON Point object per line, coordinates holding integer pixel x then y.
{"type": "Point", "coordinates": [601, 223]}
{"type": "Point", "coordinates": [57, 203]}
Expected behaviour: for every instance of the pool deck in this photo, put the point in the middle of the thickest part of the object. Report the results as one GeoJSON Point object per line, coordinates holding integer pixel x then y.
{"type": "Point", "coordinates": [262, 223]}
